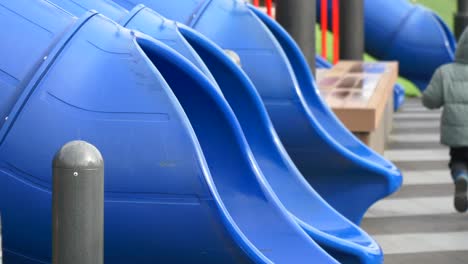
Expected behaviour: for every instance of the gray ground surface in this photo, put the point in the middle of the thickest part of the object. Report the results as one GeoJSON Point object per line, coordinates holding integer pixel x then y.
{"type": "Point", "coordinates": [418, 224]}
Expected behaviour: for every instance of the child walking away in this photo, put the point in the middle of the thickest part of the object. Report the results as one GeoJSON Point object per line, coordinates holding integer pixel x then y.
{"type": "Point", "coordinates": [449, 89]}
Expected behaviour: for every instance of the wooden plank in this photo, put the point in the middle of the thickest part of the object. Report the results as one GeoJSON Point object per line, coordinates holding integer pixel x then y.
{"type": "Point", "coordinates": [358, 92]}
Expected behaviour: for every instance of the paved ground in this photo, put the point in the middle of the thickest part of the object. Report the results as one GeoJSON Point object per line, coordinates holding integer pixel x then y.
{"type": "Point", "coordinates": [419, 224]}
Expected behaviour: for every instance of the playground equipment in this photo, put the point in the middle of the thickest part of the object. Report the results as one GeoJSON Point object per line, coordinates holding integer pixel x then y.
{"type": "Point", "coordinates": [398, 90]}
{"type": "Point", "coordinates": [336, 164]}
{"type": "Point", "coordinates": [139, 18]}
{"type": "Point", "coordinates": [348, 14]}
{"type": "Point", "coordinates": [341, 238]}
{"type": "Point", "coordinates": [321, 62]}
{"type": "Point", "coordinates": [194, 184]}
{"type": "Point", "coordinates": [413, 35]}
{"type": "Point", "coordinates": [398, 96]}
{"type": "Point", "coordinates": [344, 240]}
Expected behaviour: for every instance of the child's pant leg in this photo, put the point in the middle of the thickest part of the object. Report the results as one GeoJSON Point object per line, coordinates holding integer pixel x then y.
{"type": "Point", "coordinates": [458, 162]}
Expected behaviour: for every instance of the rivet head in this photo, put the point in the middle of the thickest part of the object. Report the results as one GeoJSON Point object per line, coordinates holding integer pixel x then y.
{"type": "Point", "coordinates": [75, 174]}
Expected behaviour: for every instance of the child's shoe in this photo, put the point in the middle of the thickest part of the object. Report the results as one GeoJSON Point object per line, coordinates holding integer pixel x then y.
{"type": "Point", "coordinates": [460, 199]}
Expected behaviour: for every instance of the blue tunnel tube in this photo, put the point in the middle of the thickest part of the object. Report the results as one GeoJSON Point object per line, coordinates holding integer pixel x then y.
{"type": "Point", "coordinates": [169, 197]}
{"type": "Point", "coordinates": [411, 34]}
{"type": "Point", "coordinates": [342, 239]}
{"type": "Point", "coordinates": [338, 166]}
{"type": "Point", "coordinates": [138, 18]}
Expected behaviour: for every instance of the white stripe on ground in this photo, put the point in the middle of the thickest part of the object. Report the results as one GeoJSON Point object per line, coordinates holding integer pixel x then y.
{"type": "Point", "coordinates": [428, 177]}
{"type": "Point", "coordinates": [425, 242]}
{"type": "Point", "coordinates": [414, 116]}
{"type": "Point", "coordinates": [425, 115]}
{"type": "Point", "coordinates": [413, 101]}
{"type": "Point", "coordinates": [418, 110]}
{"type": "Point", "coordinates": [417, 155]}
{"type": "Point", "coordinates": [416, 124]}
{"type": "Point", "coordinates": [411, 106]}
{"type": "Point", "coordinates": [412, 138]}
{"type": "Point", "coordinates": [412, 206]}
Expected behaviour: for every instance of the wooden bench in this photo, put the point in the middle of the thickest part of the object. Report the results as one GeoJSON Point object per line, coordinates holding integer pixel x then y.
{"type": "Point", "coordinates": [361, 95]}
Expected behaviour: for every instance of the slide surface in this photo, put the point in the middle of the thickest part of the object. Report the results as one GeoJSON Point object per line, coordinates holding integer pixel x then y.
{"type": "Point", "coordinates": [343, 239]}
{"type": "Point", "coordinates": [168, 189]}
{"type": "Point", "coordinates": [336, 164]}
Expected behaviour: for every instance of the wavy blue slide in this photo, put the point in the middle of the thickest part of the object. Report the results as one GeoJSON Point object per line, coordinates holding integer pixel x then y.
{"type": "Point", "coordinates": [336, 164]}
{"type": "Point", "coordinates": [411, 34]}
{"type": "Point", "coordinates": [176, 191]}
{"type": "Point", "coordinates": [341, 238]}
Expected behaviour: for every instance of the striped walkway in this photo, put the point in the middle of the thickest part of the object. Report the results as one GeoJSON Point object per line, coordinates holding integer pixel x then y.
{"type": "Point", "coordinates": [419, 224]}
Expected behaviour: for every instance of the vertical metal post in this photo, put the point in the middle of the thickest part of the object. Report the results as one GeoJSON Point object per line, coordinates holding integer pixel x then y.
{"type": "Point", "coordinates": [298, 17]}
{"type": "Point", "coordinates": [336, 30]}
{"type": "Point", "coordinates": [78, 204]}
{"type": "Point", "coordinates": [461, 17]}
{"type": "Point", "coordinates": [351, 29]}
{"type": "Point", "coordinates": [324, 24]}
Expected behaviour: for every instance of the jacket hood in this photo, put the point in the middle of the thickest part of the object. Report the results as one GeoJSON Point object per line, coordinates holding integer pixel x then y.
{"type": "Point", "coordinates": [461, 55]}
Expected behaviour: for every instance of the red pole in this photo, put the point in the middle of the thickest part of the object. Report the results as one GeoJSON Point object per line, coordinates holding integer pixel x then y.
{"type": "Point", "coordinates": [324, 22]}
{"type": "Point", "coordinates": [336, 30]}
{"type": "Point", "coordinates": [256, 2]}
{"type": "Point", "coordinates": [269, 7]}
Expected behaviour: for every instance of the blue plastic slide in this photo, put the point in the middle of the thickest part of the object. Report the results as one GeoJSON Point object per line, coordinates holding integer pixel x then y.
{"type": "Point", "coordinates": [321, 62]}
{"type": "Point", "coordinates": [176, 191]}
{"type": "Point", "coordinates": [398, 96]}
{"type": "Point", "coordinates": [336, 164]}
{"type": "Point", "coordinates": [344, 240]}
{"type": "Point", "coordinates": [411, 34]}
{"type": "Point", "coordinates": [341, 238]}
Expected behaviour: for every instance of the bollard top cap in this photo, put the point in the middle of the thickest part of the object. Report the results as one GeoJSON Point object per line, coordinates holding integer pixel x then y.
{"type": "Point", "coordinates": [78, 155]}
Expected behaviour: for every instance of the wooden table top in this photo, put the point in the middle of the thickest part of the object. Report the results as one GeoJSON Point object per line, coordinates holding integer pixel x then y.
{"type": "Point", "coordinates": [358, 91]}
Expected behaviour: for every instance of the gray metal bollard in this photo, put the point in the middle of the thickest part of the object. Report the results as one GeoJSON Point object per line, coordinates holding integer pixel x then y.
{"type": "Point", "coordinates": [461, 17]}
{"type": "Point", "coordinates": [78, 205]}
{"type": "Point", "coordinates": [352, 30]}
{"type": "Point", "coordinates": [298, 18]}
